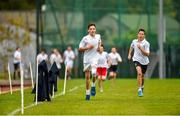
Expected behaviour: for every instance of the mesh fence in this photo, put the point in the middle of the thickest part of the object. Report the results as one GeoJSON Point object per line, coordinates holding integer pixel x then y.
{"type": "Point", "coordinates": [65, 23]}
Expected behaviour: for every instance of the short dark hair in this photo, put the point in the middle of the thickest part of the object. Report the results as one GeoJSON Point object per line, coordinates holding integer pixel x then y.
{"type": "Point", "coordinates": [102, 45]}
{"type": "Point", "coordinates": [141, 29]}
{"type": "Point", "coordinates": [43, 50]}
{"type": "Point", "coordinates": [17, 47]}
{"type": "Point", "coordinates": [113, 47]}
{"type": "Point", "coordinates": [91, 24]}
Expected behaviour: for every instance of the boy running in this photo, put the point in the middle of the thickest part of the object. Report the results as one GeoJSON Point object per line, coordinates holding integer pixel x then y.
{"type": "Point", "coordinates": [89, 45]}
{"type": "Point", "coordinates": [102, 65]}
{"type": "Point", "coordinates": [141, 49]}
{"type": "Point", "coordinates": [115, 59]}
{"type": "Point", "coordinates": [69, 57]}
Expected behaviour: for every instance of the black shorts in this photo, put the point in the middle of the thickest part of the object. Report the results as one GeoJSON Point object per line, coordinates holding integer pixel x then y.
{"type": "Point", "coordinates": [16, 66]}
{"type": "Point", "coordinates": [143, 67]}
{"type": "Point", "coordinates": [113, 68]}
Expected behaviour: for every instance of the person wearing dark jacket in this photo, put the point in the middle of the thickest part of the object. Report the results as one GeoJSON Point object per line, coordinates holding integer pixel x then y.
{"type": "Point", "coordinates": [43, 82]}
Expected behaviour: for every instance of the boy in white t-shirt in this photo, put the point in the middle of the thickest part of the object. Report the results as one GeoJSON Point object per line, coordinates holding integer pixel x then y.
{"type": "Point", "coordinates": [42, 56]}
{"type": "Point", "coordinates": [69, 57]}
{"type": "Point", "coordinates": [115, 59]}
{"type": "Point", "coordinates": [17, 61]}
{"type": "Point", "coordinates": [89, 46]}
{"type": "Point", "coordinates": [43, 83]}
{"type": "Point", "coordinates": [56, 57]}
{"type": "Point", "coordinates": [55, 61]}
{"type": "Point", "coordinates": [103, 63]}
{"type": "Point", "coordinates": [141, 48]}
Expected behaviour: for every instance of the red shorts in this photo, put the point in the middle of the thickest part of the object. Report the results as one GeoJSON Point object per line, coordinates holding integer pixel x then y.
{"type": "Point", "coordinates": [101, 71]}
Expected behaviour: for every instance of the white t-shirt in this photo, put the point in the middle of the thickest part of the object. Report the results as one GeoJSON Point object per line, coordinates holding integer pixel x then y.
{"type": "Point", "coordinates": [17, 55]}
{"type": "Point", "coordinates": [57, 59]}
{"type": "Point", "coordinates": [115, 58]}
{"type": "Point", "coordinates": [41, 57]}
{"type": "Point", "coordinates": [69, 56]}
{"type": "Point", "coordinates": [138, 55]}
{"type": "Point", "coordinates": [102, 59]}
{"type": "Point", "coordinates": [90, 55]}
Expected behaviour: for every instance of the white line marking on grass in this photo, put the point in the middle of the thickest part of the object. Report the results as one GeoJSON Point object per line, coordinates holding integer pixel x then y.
{"type": "Point", "coordinates": [57, 95]}
{"type": "Point", "coordinates": [18, 110]}
{"type": "Point", "coordinates": [32, 105]}
{"type": "Point", "coordinates": [73, 89]}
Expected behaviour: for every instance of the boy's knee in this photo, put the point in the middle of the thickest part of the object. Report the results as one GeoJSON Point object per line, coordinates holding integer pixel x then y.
{"type": "Point", "coordinates": [139, 74]}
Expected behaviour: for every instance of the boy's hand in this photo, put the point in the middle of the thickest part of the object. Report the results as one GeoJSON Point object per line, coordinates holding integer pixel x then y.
{"type": "Point", "coordinates": [139, 46]}
{"type": "Point", "coordinates": [89, 46]}
{"type": "Point", "coordinates": [129, 57]}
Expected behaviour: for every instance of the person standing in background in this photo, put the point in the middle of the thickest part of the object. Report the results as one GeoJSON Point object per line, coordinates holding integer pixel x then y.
{"type": "Point", "coordinates": [55, 61]}
{"type": "Point", "coordinates": [17, 60]}
{"type": "Point", "coordinates": [43, 78]}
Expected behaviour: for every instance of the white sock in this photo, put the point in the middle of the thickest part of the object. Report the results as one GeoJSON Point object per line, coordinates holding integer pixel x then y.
{"type": "Point", "coordinates": [93, 85]}
{"type": "Point", "coordinates": [139, 89]}
{"type": "Point", "coordinates": [87, 92]}
{"type": "Point", "coordinates": [101, 89]}
{"type": "Point", "coordinates": [142, 86]}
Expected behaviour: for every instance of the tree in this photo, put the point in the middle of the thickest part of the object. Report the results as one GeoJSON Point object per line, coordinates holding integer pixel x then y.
{"type": "Point", "coordinates": [176, 4]}
{"type": "Point", "coordinates": [17, 4]}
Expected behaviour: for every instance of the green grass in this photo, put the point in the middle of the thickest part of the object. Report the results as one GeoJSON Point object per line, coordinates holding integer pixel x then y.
{"type": "Point", "coordinates": [119, 97]}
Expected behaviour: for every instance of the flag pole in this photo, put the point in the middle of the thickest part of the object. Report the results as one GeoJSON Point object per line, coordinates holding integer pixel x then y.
{"type": "Point", "coordinates": [10, 83]}
{"type": "Point", "coordinates": [36, 82]}
{"type": "Point", "coordinates": [53, 92]}
{"type": "Point", "coordinates": [30, 66]}
{"type": "Point", "coordinates": [65, 75]}
{"type": "Point", "coordinates": [22, 90]}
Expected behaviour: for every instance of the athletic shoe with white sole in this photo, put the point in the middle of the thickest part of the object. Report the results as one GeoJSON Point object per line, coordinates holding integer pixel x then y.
{"type": "Point", "coordinates": [140, 93]}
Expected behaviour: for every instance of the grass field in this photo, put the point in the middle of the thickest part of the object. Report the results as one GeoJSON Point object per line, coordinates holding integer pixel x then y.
{"type": "Point", "coordinates": [119, 97]}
